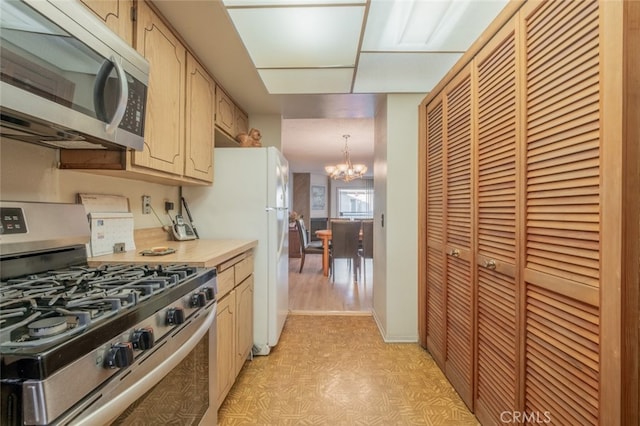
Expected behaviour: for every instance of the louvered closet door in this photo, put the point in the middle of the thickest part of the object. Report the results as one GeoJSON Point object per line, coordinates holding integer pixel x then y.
{"type": "Point", "coordinates": [497, 305]}
{"type": "Point", "coordinates": [436, 333]}
{"type": "Point", "coordinates": [562, 274]}
{"type": "Point", "coordinates": [458, 312]}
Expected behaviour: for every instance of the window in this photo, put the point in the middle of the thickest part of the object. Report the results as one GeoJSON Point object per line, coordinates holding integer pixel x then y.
{"type": "Point", "coordinates": [355, 203]}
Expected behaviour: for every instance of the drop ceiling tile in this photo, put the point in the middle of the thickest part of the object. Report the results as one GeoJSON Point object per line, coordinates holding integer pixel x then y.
{"type": "Point", "coordinates": [300, 37]}
{"type": "Point", "coordinates": [290, 81]}
{"type": "Point", "coordinates": [427, 25]}
{"type": "Point", "coordinates": [402, 72]}
{"type": "Point", "coordinates": [263, 3]}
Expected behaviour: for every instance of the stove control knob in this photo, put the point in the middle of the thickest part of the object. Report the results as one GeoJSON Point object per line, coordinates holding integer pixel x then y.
{"type": "Point", "coordinates": [175, 316]}
{"type": "Point", "coordinates": [142, 339]}
{"type": "Point", "coordinates": [209, 292]}
{"type": "Point", "coordinates": [119, 355]}
{"type": "Point", "coordinates": [199, 299]}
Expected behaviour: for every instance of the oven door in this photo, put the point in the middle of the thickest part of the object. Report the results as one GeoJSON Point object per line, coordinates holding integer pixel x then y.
{"type": "Point", "coordinates": [176, 384]}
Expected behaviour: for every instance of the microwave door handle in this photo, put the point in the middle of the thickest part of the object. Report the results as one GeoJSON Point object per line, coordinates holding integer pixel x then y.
{"type": "Point", "coordinates": [122, 100]}
{"type": "Point", "coordinates": [98, 94]}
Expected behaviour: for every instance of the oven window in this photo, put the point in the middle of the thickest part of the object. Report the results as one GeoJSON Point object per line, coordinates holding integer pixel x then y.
{"type": "Point", "coordinates": [182, 397]}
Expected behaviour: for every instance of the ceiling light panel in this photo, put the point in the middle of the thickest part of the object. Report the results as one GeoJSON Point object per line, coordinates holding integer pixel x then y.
{"type": "Point", "coordinates": [263, 3]}
{"type": "Point", "coordinates": [313, 81]}
{"type": "Point", "coordinates": [300, 37]}
{"type": "Point", "coordinates": [402, 72]}
{"type": "Point", "coordinates": [427, 25]}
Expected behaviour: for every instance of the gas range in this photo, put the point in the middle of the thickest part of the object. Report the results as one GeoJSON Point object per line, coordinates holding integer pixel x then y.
{"type": "Point", "coordinates": [67, 328]}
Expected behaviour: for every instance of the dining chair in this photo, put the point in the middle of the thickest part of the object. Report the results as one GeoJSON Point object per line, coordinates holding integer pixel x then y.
{"type": "Point", "coordinates": [366, 247]}
{"type": "Point", "coordinates": [306, 247]}
{"type": "Point", "coordinates": [345, 240]}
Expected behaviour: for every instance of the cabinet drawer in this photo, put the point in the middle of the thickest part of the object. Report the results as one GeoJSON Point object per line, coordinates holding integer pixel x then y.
{"type": "Point", "coordinates": [244, 268]}
{"type": "Point", "coordinates": [226, 282]}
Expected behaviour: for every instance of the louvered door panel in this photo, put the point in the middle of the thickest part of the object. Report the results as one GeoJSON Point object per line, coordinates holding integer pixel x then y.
{"type": "Point", "coordinates": [497, 154]}
{"type": "Point", "coordinates": [435, 209]}
{"type": "Point", "coordinates": [459, 165]}
{"type": "Point", "coordinates": [435, 305]}
{"type": "Point", "coordinates": [459, 312]}
{"type": "Point", "coordinates": [562, 339]}
{"type": "Point", "coordinates": [563, 139]}
{"type": "Point", "coordinates": [497, 354]}
{"type": "Point", "coordinates": [562, 357]}
{"type": "Point", "coordinates": [497, 359]}
{"type": "Point", "coordinates": [436, 333]}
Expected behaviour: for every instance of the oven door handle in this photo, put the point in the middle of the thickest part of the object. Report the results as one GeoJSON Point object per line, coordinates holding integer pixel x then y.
{"type": "Point", "coordinates": [112, 409]}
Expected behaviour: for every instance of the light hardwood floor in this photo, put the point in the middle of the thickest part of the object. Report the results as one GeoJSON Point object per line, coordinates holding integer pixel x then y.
{"type": "Point", "coordinates": [310, 291]}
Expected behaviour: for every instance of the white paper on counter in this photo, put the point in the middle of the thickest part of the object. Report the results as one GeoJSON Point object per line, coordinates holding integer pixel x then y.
{"type": "Point", "coordinates": [103, 203]}
{"type": "Point", "coordinates": [107, 229]}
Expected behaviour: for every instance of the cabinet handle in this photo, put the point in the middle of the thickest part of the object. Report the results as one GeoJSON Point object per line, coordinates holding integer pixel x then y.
{"type": "Point", "coordinates": [490, 264]}
{"type": "Point", "coordinates": [455, 253]}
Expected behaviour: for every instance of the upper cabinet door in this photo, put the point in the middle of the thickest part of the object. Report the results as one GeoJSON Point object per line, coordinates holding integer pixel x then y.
{"type": "Point", "coordinates": [164, 123]}
{"type": "Point", "coordinates": [225, 112]}
{"type": "Point", "coordinates": [200, 111]}
{"type": "Point", "coordinates": [116, 14]}
{"type": "Point", "coordinates": [241, 122]}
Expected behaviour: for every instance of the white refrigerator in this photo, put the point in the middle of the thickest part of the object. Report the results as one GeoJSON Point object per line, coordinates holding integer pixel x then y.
{"type": "Point", "coordinates": [249, 200]}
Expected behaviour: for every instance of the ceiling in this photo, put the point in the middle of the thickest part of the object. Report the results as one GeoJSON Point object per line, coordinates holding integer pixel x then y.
{"type": "Point", "coordinates": [324, 65]}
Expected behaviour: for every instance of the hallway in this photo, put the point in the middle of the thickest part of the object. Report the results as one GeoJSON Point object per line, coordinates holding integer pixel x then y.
{"type": "Point", "coordinates": [336, 370]}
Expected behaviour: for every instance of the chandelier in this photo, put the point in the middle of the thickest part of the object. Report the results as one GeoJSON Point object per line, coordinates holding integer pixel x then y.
{"type": "Point", "coordinates": [346, 171]}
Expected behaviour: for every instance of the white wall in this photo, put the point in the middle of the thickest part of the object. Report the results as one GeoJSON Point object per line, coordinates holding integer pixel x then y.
{"type": "Point", "coordinates": [320, 181]}
{"type": "Point", "coordinates": [29, 173]}
{"type": "Point", "coordinates": [270, 126]}
{"type": "Point", "coordinates": [380, 254]}
{"type": "Point", "coordinates": [396, 189]}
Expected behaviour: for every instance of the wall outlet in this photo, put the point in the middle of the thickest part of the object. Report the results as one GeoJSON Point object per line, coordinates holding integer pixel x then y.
{"type": "Point", "coordinates": [146, 204]}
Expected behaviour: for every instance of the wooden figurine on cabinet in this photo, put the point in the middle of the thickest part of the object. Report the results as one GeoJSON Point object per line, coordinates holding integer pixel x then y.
{"type": "Point", "coordinates": [251, 139]}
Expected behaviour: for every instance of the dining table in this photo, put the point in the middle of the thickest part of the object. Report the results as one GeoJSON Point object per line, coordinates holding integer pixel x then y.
{"type": "Point", "coordinates": [325, 236]}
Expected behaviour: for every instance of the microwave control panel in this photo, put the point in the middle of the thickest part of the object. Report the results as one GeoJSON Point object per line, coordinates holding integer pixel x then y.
{"type": "Point", "coordinates": [133, 119]}
{"type": "Point", "coordinates": [12, 221]}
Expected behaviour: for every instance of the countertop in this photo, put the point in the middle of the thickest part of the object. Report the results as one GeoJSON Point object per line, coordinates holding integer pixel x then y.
{"type": "Point", "coordinates": [201, 253]}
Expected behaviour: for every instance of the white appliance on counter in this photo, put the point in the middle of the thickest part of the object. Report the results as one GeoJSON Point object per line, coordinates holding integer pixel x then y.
{"type": "Point", "coordinates": [249, 200]}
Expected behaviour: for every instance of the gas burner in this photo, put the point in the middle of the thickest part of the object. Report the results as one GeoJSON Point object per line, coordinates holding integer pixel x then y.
{"type": "Point", "coordinates": [49, 306]}
{"type": "Point", "coordinates": [47, 327]}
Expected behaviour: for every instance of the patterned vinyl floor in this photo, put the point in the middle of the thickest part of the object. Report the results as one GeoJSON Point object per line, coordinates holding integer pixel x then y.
{"type": "Point", "coordinates": [336, 370]}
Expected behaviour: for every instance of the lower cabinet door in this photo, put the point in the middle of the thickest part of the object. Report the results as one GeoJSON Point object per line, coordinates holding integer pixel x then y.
{"type": "Point", "coordinates": [226, 336]}
{"type": "Point", "coordinates": [244, 322]}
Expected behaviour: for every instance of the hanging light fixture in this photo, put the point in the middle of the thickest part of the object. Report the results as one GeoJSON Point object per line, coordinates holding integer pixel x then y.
{"type": "Point", "coordinates": [346, 171]}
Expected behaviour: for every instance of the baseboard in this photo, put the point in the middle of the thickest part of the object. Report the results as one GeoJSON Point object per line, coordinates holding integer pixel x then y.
{"type": "Point", "coordinates": [324, 313]}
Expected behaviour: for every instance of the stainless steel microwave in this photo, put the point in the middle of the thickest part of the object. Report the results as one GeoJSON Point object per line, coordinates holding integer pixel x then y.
{"type": "Point", "coordinates": [68, 81]}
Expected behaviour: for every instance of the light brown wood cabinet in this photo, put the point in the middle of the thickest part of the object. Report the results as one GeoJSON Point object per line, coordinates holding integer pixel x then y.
{"type": "Point", "coordinates": [200, 127]}
{"type": "Point", "coordinates": [241, 121]}
{"type": "Point", "coordinates": [116, 14]}
{"type": "Point", "coordinates": [530, 235]}
{"type": "Point", "coordinates": [235, 320]}
{"type": "Point", "coordinates": [225, 112]}
{"type": "Point", "coordinates": [229, 117]}
{"type": "Point", "coordinates": [225, 329]}
{"type": "Point", "coordinates": [164, 131]}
